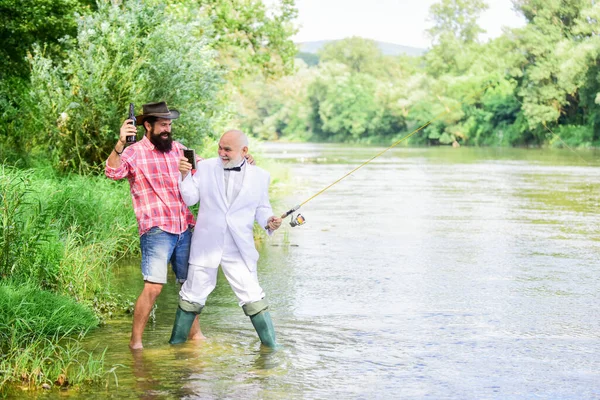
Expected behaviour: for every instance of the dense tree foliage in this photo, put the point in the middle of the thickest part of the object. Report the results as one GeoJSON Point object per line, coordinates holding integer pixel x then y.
{"type": "Point", "coordinates": [23, 23]}
{"type": "Point", "coordinates": [536, 85]}
{"type": "Point", "coordinates": [66, 100]}
{"type": "Point", "coordinates": [251, 38]}
{"type": "Point", "coordinates": [121, 54]}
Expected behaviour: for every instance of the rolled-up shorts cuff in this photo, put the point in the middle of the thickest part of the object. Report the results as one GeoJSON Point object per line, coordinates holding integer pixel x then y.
{"type": "Point", "coordinates": [189, 306]}
{"type": "Point", "coordinates": [154, 279]}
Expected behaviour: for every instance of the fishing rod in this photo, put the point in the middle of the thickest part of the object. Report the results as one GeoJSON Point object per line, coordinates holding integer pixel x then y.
{"type": "Point", "coordinates": [298, 219]}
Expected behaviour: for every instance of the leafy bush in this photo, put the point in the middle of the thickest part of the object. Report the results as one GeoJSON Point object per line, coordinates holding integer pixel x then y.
{"type": "Point", "coordinates": [572, 136]}
{"type": "Point", "coordinates": [127, 51]}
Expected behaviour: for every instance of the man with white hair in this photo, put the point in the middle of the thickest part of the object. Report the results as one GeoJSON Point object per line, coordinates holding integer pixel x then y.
{"type": "Point", "coordinates": [232, 195]}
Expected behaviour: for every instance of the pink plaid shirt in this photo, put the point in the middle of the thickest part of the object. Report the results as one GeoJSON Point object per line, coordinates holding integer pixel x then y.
{"type": "Point", "coordinates": [153, 180]}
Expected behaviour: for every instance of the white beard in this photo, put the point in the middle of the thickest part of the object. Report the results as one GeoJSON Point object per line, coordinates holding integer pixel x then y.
{"type": "Point", "coordinates": [232, 163]}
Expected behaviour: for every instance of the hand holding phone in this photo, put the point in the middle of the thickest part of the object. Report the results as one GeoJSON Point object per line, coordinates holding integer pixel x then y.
{"type": "Point", "coordinates": [131, 138]}
{"type": "Point", "coordinates": [190, 154]}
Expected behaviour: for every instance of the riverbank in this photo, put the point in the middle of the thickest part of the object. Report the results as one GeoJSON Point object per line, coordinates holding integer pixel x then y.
{"type": "Point", "coordinates": [60, 237]}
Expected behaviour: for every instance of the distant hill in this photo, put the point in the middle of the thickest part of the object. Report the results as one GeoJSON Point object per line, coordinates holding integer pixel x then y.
{"type": "Point", "coordinates": [388, 49]}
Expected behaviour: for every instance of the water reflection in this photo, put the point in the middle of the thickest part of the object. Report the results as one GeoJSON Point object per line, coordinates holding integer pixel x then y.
{"type": "Point", "coordinates": [143, 372]}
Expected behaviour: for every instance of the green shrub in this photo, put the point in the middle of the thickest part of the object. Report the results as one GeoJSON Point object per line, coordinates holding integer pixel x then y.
{"type": "Point", "coordinates": [127, 51]}
{"type": "Point", "coordinates": [572, 136]}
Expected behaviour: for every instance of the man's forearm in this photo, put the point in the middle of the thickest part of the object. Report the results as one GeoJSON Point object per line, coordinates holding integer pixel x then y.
{"type": "Point", "coordinates": [114, 159]}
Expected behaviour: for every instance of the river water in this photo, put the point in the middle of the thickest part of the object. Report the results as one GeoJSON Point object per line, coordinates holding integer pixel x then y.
{"type": "Point", "coordinates": [429, 273]}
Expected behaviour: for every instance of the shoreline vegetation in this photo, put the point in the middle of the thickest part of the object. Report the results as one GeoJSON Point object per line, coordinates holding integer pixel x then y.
{"type": "Point", "coordinates": [61, 236]}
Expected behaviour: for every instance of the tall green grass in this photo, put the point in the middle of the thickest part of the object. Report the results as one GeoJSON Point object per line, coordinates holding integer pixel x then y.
{"type": "Point", "coordinates": [64, 233]}
{"type": "Point", "coordinates": [39, 338]}
{"type": "Point", "coordinates": [59, 237]}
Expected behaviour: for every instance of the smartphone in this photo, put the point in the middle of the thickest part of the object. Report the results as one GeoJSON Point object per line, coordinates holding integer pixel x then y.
{"type": "Point", "coordinates": [131, 138]}
{"type": "Point", "coordinates": [191, 156]}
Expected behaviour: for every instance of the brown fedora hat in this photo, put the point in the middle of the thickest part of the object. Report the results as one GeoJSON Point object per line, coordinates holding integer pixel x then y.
{"type": "Point", "coordinates": [159, 110]}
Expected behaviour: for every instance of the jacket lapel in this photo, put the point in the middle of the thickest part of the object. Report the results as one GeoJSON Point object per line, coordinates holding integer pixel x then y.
{"type": "Point", "coordinates": [246, 184]}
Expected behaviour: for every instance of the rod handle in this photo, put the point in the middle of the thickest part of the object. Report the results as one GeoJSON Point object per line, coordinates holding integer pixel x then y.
{"type": "Point", "coordinates": [285, 214]}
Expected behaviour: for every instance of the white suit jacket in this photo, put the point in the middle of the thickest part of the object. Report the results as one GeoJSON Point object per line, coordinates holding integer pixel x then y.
{"type": "Point", "coordinates": [215, 216]}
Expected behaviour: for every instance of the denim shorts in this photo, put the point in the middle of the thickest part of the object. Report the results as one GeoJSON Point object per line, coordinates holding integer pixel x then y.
{"type": "Point", "coordinates": [159, 248]}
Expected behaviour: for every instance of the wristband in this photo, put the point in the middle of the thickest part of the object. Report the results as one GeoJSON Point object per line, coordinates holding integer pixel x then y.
{"type": "Point", "coordinates": [118, 152]}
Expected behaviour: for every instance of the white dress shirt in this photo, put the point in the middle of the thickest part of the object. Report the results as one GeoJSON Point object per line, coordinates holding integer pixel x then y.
{"type": "Point", "coordinates": [233, 182]}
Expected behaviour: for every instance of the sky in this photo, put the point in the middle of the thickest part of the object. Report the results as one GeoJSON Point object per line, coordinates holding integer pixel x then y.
{"type": "Point", "coordinates": [395, 21]}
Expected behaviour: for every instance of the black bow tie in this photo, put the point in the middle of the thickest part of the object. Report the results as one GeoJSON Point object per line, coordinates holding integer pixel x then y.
{"type": "Point", "coordinates": [238, 168]}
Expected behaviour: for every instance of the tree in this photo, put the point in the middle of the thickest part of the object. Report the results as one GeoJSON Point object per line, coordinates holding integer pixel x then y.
{"type": "Point", "coordinates": [454, 35]}
{"type": "Point", "coordinates": [23, 23]}
{"type": "Point", "coordinates": [348, 106]}
{"type": "Point", "coordinates": [251, 38]}
{"type": "Point", "coordinates": [125, 52]}
{"type": "Point", "coordinates": [456, 19]}
{"type": "Point", "coordinates": [273, 109]}
{"type": "Point", "coordinates": [561, 54]}
{"type": "Point", "coordinates": [360, 55]}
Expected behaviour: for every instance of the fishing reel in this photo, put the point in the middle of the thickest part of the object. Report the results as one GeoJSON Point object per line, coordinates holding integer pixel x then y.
{"type": "Point", "coordinates": [297, 220]}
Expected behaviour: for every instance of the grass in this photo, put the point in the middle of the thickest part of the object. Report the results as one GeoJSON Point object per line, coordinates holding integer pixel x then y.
{"type": "Point", "coordinates": [59, 237]}
{"type": "Point", "coordinates": [64, 233]}
{"type": "Point", "coordinates": [39, 339]}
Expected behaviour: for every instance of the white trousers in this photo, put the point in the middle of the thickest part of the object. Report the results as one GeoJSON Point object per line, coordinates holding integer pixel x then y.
{"type": "Point", "coordinates": [201, 281]}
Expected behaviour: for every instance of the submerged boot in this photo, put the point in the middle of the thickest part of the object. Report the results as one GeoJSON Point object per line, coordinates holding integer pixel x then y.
{"type": "Point", "coordinates": [186, 313]}
{"type": "Point", "coordinates": [264, 327]}
{"type": "Point", "coordinates": [261, 319]}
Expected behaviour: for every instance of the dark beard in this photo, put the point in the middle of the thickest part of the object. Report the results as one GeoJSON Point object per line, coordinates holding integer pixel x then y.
{"type": "Point", "coordinates": [162, 145]}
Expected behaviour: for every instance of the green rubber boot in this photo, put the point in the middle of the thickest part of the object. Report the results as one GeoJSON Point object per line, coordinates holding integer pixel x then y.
{"type": "Point", "coordinates": [181, 327]}
{"type": "Point", "coordinates": [264, 327]}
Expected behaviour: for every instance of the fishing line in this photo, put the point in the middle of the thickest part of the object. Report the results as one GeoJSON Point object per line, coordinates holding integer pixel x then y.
{"type": "Point", "coordinates": [566, 145]}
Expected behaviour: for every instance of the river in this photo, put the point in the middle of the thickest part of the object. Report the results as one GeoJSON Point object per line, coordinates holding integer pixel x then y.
{"type": "Point", "coordinates": [429, 273]}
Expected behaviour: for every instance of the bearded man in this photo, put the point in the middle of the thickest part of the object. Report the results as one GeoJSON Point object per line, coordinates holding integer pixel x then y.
{"type": "Point", "coordinates": [164, 221]}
